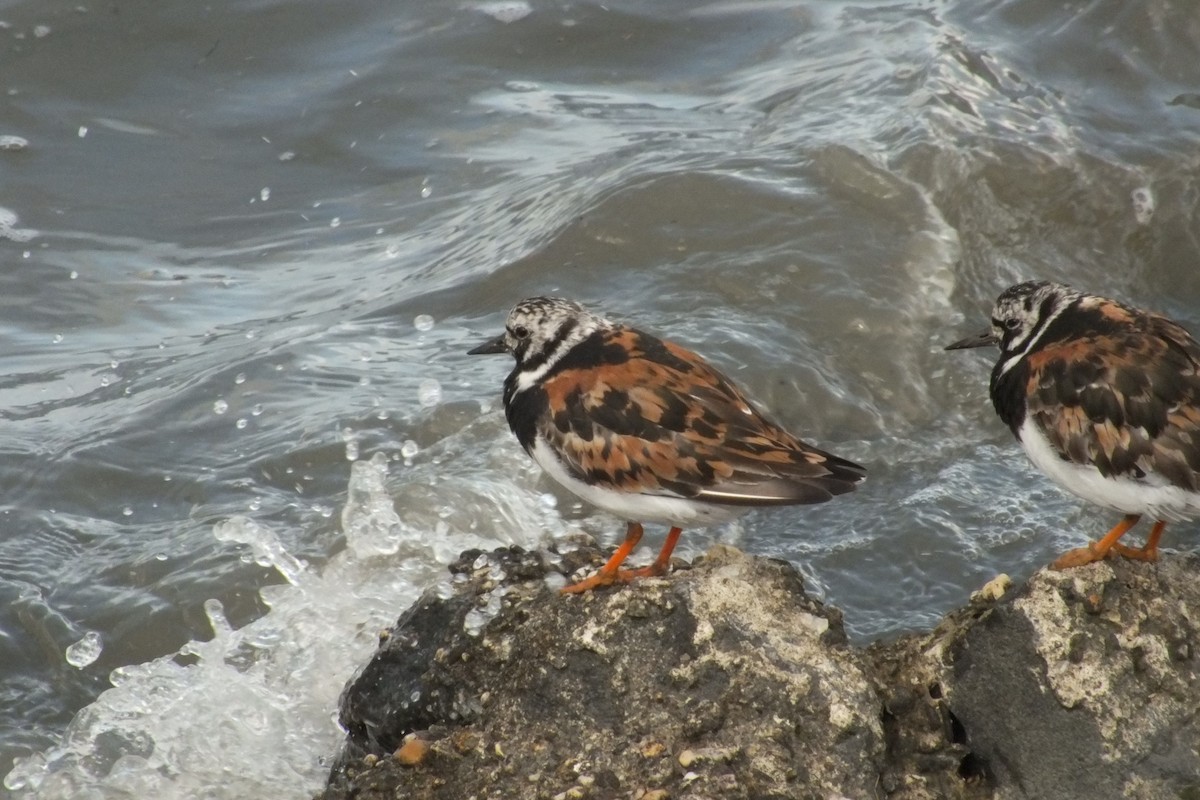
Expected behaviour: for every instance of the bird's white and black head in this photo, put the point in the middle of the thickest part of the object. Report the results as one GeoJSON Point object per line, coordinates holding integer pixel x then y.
{"type": "Point", "coordinates": [539, 331]}
{"type": "Point", "coordinates": [1020, 319]}
{"type": "Point", "coordinates": [1025, 318]}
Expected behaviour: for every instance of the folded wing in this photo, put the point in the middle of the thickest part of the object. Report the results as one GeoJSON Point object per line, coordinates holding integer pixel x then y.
{"type": "Point", "coordinates": [1129, 403]}
{"type": "Point", "coordinates": [665, 422]}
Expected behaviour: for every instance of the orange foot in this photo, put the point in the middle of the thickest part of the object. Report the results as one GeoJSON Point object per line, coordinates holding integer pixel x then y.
{"type": "Point", "coordinates": [606, 578]}
{"type": "Point", "coordinates": [1079, 556]}
{"type": "Point", "coordinates": [1147, 553]}
{"type": "Point", "coordinates": [596, 581]}
{"type": "Point", "coordinates": [1109, 546]}
{"type": "Point", "coordinates": [1137, 553]}
{"type": "Point", "coordinates": [612, 573]}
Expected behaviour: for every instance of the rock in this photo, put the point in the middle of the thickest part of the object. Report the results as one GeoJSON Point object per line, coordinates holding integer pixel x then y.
{"type": "Point", "coordinates": [725, 680]}
{"type": "Point", "coordinates": [1082, 684]}
{"type": "Point", "coordinates": [1103, 660]}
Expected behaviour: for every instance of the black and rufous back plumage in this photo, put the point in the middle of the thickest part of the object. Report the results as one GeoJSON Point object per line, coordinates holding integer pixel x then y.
{"type": "Point", "coordinates": [641, 415]}
{"type": "Point", "coordinates": [1105, 398]}
{"type": "Point", "coordinates": [646, 429]}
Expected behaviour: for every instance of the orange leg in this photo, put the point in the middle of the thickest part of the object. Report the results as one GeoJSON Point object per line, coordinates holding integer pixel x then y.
{"type": "Point", "coordinates": [609, 573]}
{"type": "Point", "coordinates": [1099, 550]}
{"type": "Point", "coordinates": [1147, 553]}
{"type": "Point", "coordinates": [660, 565]}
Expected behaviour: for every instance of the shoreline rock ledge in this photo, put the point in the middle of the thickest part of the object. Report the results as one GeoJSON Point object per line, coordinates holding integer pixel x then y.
{"type": "Point", "coordinates": [726, 680]}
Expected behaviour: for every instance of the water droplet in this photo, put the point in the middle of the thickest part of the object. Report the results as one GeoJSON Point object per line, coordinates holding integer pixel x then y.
{"type": "Point", "coordinates": [335, 222]}
{"type": "Point", "coordinates": [13, 143]}
{"type": "Point", "coordinates": [41, 31]}
{"type": "Point", "coordinates": [265, 193]}
{"type": "Point", "coordinates": [85, 651]}
{"type": "Point", "coordinates": [352, 450]}
{"type": "Point", "coordinates": [241, 423]}
{"type": "Point", "coordinates": [74, 275]}
{"type": "Point", "coordinates": [258, 409]}
{"type": "Point", "coordinates": [58, 337]}
{"type": "Point", "coordinates": [409, 450]}
{"type": "Point", "coordinates": [255, 504]}
{"type": "Point", "coordinates": [474, 621]}
{"type": "Point", "coordinates": [426, 190]}
{"type": "Point", "coordinates": [287, 155]}
{"type": "Point", "coordinates": [429, 393]}
{"type": "Point", "coordinates": [127, 511]}
{"type": "Point", "coordinates": [240, 378]}
{"type": "Point", "coordinates": [220, 407]}
{"type": "Point", "coordinates": [82, 131]}
{"type": "Point", "coordinates": [423, 322]}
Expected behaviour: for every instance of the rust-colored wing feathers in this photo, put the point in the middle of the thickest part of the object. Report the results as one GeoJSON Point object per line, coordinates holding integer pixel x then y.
{"type": "Point", "coordinates": [665, 422]}
{"type": "Point", "coordinates": [1129, 403]}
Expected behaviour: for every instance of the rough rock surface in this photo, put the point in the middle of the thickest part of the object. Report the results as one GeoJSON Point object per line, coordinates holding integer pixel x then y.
{"type": "Point", "coordinates": [725, 680]}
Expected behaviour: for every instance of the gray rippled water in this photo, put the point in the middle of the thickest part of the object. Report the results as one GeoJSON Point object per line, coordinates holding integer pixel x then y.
{"type": "Point", "coordinates": [244, 247]}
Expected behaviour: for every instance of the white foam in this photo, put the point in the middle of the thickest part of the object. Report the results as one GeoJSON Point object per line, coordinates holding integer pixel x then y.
{"type": "Point", "coordinates": [1142, 199]}
{"type": "Point", "coordinates": [506, 11]}
{"type": "Point", "coordinates": [252, 712]}
{"type": "Point", "coordinates": [9, 229]}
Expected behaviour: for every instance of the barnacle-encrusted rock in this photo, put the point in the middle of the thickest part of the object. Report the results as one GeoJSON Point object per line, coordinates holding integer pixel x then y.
{"type": "Point", "coordinates": [725, 680]}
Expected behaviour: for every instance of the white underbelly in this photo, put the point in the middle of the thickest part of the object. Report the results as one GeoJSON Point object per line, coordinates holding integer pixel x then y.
{"type": "Point", "coordinates": [662, 509]}
{"type": "Point", "coordinates": [1151, 495]}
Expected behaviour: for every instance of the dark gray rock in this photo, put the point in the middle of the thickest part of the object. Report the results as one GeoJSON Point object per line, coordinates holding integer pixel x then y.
{"type": "Point", "coordinates": [725, 680]}
{"type": "Point", "coordinates": [1087, 682]}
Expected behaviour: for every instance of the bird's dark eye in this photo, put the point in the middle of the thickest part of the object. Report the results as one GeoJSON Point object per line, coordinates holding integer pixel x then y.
{"type": "Point", "coordinates": [520, 331]}
{"type": "Point", "coordinates": [1012, 323]}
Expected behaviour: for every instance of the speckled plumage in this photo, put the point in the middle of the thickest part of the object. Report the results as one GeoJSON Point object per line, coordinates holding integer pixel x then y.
{"type": "Point", "coordinates": [1105, 398]}
{"type": "Point", "coordinates": [646, 429]}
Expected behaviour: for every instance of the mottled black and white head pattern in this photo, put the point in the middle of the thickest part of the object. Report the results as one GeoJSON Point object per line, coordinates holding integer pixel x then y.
{"type": "Point", "coordinates": [1020, 318]}
{"type": "Point", "coordinates": [539, 331]}
{"type": "Point", "coordinates": [1023, 313]}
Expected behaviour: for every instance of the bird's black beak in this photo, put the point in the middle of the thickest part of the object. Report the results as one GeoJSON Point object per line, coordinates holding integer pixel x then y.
{"type": "Point", "coordinates": [490, 347]}
{"type": "Point", "coordinates": [978, 340]}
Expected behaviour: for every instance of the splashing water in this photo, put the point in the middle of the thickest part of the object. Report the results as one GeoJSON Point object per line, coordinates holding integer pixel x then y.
{"type": "Point", "coordinates": [250, 712]}
{"type": "Point", "coordinates": [85, 652]}
{"type": "Point", "coordinates": [369, 519]}
{"type": "Point", "coordinates": [265, 546]}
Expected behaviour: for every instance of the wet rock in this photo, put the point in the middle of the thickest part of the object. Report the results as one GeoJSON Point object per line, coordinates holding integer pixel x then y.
{"type": "Point", "coordinates": [1081, 684]}
{"type": "Point", "coordinates": [1102, 660]}
{"type": "Point", "coordinates": [726, 680]}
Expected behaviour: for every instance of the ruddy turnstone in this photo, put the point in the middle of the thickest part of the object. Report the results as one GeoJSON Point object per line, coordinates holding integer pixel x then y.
{"type": "Point", "coordinates": [1105, 399]}
{"type": "Point", "coordinates": [647, 430]}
